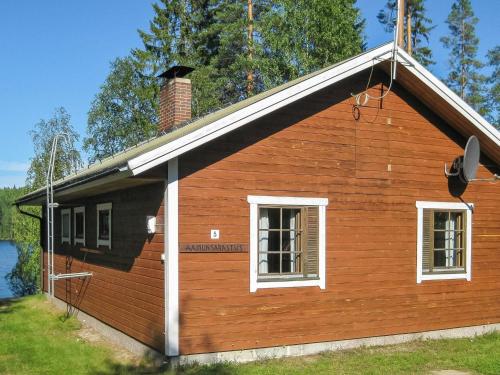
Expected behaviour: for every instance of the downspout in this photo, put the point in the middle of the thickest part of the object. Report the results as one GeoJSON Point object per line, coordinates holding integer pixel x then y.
{"type": "Point", "coordinates": [40, 219]}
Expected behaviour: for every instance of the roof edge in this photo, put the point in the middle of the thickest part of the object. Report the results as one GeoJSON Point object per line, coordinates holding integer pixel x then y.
{"type": "Point", "coordinates": [246, 114]}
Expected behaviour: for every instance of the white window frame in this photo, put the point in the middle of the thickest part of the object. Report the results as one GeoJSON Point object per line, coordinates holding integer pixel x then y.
{"type": "Point", "coordinates": [105, 207]}
{"type": "Point", "coordinates": [66, 239]}
{"type": "Point", "coordinates": [468, 207]}
{"type": "Point", "coordinates": [255, 201]}
{"type": "Point", "coordinates": [78, 210]}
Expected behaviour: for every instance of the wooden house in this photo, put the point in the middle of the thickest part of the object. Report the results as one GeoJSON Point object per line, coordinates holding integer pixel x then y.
{"type": "Point", "coordinates": [300, 220]}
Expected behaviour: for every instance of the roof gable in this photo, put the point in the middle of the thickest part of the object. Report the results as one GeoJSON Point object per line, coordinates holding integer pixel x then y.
{"type": "Point", "coordinates": [295, 90]}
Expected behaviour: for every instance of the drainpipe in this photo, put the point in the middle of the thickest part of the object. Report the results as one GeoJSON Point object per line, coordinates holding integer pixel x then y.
{"type": "Point", "coordinates": [40, 219]}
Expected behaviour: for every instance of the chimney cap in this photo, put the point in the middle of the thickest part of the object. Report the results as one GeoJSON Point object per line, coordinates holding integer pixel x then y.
{"type": "Point", "coordinates": [176, 71]}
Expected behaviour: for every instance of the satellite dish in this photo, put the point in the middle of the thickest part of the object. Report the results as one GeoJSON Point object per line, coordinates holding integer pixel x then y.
{"type": "Point", "coordinates": [471, 159]}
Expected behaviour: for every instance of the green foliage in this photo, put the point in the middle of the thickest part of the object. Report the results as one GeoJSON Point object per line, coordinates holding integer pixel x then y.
{"type": "Point", "coordinates": [493, 81]}
{"type": "Point", "coordinates": [68, 157]}
{"type": "Point", "coordinates": [421, 27]}
{"type": "Point", "coordinates": [302, 36]}
{"type": "Point", "coordinates": [464, 77]}
{"type": "Point", "coordinates": [123, 113]}
{"type": "Point", "coordinates": [290, 38]}
{"type": "Point", "coordinates": [24, 278]}
{"type": "Point", "coordinates": [7, 211]}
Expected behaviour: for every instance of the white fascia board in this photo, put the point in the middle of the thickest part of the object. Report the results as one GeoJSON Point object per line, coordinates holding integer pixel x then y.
{"type": "Point", "coordinates": [287, 201]}
{"type": "Point", "coordinates": [451, 98]}
{"type": "Point", "coordinates": [445, 205]}
{"type": "Point", "coordinates": [256, 110]}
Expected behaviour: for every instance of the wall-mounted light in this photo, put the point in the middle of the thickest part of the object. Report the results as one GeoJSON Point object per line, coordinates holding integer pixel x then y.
{"type": "Point", "coordinates": [151, 224]}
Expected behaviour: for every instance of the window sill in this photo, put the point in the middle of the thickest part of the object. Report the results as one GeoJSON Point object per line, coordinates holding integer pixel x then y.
{"type": "Point", "coordinates": [273, 283]}
{"type": "Point", "coordinates": [446, 276]}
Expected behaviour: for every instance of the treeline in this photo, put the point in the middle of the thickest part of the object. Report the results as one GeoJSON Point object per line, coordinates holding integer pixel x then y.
{"type": "Point", "coordinates": [7, 211]}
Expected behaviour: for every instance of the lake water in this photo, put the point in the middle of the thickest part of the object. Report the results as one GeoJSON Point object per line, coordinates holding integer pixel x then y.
{"type": "Point", "coordinates": [8, 258]}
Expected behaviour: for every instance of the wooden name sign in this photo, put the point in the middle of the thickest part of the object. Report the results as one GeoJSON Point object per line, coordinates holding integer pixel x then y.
{"type": "Point", "coordinates": [213, 248]}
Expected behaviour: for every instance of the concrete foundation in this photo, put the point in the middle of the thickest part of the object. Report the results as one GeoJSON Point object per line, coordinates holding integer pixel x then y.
{"type": "Point", "coordinates": [250, 355]}
{"type": "Point", "coordinates": [308, 349]}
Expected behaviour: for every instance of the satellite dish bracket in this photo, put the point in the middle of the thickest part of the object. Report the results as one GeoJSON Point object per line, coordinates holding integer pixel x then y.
{"type": "Point", "coordinates": [457, 165]}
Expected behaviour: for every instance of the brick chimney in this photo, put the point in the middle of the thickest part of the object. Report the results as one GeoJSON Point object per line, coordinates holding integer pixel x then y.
{"type": "Point", "coordinates": [175, 98]}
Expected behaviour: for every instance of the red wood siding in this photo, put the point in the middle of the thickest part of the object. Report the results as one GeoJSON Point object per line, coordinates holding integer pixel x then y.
{"type": "Point", "coordinates": [372, 171]}
{"type": "Point", "coordinates": [126, 289]}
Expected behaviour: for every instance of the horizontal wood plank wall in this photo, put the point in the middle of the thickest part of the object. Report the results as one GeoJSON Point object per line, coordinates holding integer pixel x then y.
{"type": "Point", "coordinates": [372, 171]}
{"type": "Point", "coordinates": [126, 288]}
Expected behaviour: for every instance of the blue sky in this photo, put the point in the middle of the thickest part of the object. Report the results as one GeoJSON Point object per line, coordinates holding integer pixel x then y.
{"type": "Point", "coordinates": [57, 53]}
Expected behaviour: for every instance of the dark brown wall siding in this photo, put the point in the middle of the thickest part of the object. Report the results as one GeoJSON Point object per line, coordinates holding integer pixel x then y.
{"type": "Point", "coordinates": [126, 288]}
{"type": "Point", "coordinates": [315, 148]}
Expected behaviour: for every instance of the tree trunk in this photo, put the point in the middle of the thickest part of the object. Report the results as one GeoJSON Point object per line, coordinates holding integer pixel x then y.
{"type": "Point", "coordinates": [250, 79]}
{"type": "Point", "coordinates": [408, 30]}
{"type": "Point", "coordinates": [400, 23]}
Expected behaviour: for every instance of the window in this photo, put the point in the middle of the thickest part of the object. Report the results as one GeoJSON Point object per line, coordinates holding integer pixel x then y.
{"type": "Point", "coordinates": [79, 225]}
{"type": "Point", "coordinates": [65, 225]}
{"type": "Point", "coordinates": [104, 224]}
{"type": "Point", "coordinates": [444, 241]}
{"type": "Point", "coordinates": [287, 242]}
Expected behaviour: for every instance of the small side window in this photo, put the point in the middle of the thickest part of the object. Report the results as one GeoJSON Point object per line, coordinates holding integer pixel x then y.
{"type": "Point", "coordinates": [66, 225]}
{"type": "Point", "coordinates": [444, 241]}
{"type": "Point", "coordinates": [79, 225]}
{"type": "Point", "coordinates": [104, 224]}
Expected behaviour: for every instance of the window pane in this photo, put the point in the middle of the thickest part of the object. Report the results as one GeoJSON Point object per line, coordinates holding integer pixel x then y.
{"type": "Point", "coordinates": [289, 241]}
{"type": "Point", "coordinates": [440, 258]}
{"type": "Point", "coordinates": [440, 220]}
{"type": "Point", "coordinates": [456, 221]}
{"type": "Point", "coordinates": [440, 240]}
{"type": "Point", "coordinates": [290, 262]}
{"type": "Point", "coordinates": [291, 218]}
{"type": "Point", "coordinates": [79, 218]}
{"type": "Point", "coordinates": [65, 225]}
{"type": "Point", "coordinates": [274, 241]}
{"type": "Point", "coordinates": [460, 261]}
{"type": "Point", "coordinates": [273, 263]}
{"type": "Point", "coordinates": [274, 218]}
{"type": "Point", "coordinates": [104, 225]}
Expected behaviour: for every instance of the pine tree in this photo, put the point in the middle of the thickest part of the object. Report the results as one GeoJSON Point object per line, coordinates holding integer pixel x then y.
{"type": "Point", "coordinates": [493, 99]}
{"type": "Point", "coordinates": [420, 28]}
{"type": "Point", "coordinates": [464, 77]}
{"type": "Point", "coordinates": [183, 32]}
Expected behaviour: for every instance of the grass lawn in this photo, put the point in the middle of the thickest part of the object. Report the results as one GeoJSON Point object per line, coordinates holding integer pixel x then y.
{"type": "Point", "coordinates": [37, 339]}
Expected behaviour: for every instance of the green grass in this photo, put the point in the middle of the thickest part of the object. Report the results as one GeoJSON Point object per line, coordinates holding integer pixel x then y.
{"type": "Point", "coordinates": [36, 339]}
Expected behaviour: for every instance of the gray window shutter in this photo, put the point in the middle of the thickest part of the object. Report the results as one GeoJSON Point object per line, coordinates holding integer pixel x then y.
{"type": "Point", "coordinates": [427, 240]}
{"type": "Point", "coordinates": [311, 261]}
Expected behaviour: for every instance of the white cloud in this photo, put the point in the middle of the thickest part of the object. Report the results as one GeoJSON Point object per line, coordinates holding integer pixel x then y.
{"type": "Point", "coordinates": [13, 166]}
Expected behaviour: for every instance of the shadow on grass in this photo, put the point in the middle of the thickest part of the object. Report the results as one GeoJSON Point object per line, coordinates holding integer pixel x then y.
{"type": "Point", "coordinates": [144, 368]}
{"type": "Point", "coordinates": [9, 305]}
